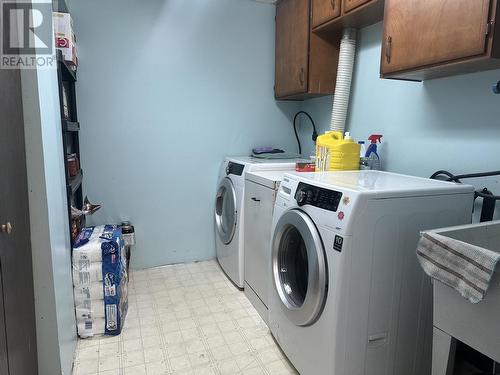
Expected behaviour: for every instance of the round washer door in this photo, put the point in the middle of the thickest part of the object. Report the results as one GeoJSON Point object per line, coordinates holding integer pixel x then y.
{"type": "Point", "coordinates": [225, 211]}
{"type": "Point", "coordinates": [300, 271]}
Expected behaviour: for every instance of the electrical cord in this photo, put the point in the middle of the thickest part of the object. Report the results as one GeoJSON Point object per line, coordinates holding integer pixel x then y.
{"type": "Point", "coordinates": [496, 88]}
{"type": "Point", "coordinates": [452, 178]}
{"type": "Point", "coordinates": [439, 173]}
{"type": "Point", "coordinates": [474, 175]}
{"type": "Point", "coordinates": [314, 134]}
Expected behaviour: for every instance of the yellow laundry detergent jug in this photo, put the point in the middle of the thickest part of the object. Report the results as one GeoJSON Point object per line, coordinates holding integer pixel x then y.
{"type": "Point", "coordinates": [336, 153]}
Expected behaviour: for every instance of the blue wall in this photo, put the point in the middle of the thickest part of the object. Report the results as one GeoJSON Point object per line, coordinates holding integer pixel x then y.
{"type": "Point", "coordinates": [450, 123]}
{"type": "Point", "coordinates": [166, 89]}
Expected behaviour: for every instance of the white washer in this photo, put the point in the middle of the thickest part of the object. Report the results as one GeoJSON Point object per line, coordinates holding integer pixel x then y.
{"type": "Point", "coordinates": [347, 296]}
{"type": "Point", "coordinates": [229, 210]}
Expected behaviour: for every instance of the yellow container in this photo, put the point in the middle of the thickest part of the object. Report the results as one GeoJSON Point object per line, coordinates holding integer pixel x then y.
{"type": "Point", "coordinates": [336, 153]}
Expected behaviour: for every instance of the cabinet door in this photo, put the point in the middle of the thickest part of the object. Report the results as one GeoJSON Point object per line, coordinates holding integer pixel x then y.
{"type": "Point", "coordinates": [418, 33]}
{"type": "Point", "coordinates": [353, 4]}
{"type": "Point", "coordinates": [324, 11]}
{"type": "Point", "coordinates": [292, 47]}
{"type": "Point", "coordinates": [259, 205]}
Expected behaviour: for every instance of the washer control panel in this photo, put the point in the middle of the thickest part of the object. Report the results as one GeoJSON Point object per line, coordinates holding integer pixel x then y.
{"type": "Point", "coordinates": [234, 168]}
{"type": "Point", "coordinates": [318, 197]}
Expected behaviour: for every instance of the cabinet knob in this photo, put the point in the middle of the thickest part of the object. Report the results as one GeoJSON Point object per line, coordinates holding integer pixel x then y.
{"type": "Point", "coordinates": [388, 49]}
{"type": "Point", "coordinates": [255, 199]}
{"type": "Point", "coordinates": [302, 76]}
{"type": "Point", "coordinates": [7, 228]}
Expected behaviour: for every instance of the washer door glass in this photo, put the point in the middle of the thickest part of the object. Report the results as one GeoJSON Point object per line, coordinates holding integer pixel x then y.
{"type": "Point", "coordinates": [225, 211]}
{"type": "Point", "coordinates": [299, 268]}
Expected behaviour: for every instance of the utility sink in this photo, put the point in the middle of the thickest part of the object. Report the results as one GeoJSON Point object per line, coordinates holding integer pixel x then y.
{"type": "Point", "coordinates": [455, 318]}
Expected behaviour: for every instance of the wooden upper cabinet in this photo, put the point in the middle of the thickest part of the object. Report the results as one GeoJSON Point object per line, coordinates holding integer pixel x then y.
{"type": "Point", "coordinates": [350, 5]}
{"type": "Point", "coordinates": [306, 65]}
{"type": "Point", "coordinates": [432, 38]}
{"type": "Point", "coordinates": [324, 11]}
{"type": "Point", "coordinates": [292, 47]}
{"type": "Point", "coordinates": [330, 17]}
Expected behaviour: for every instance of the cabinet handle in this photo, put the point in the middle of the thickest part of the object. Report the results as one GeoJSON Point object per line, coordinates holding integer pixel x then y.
{"type": "Point", "coordinates": [388, 49]}
{"type": "Point", "coordinates": [302, 77]}
{"type": "Point", "coordinates": [333, 4]}
{"type": "Point", "coordinates": [255, 199]}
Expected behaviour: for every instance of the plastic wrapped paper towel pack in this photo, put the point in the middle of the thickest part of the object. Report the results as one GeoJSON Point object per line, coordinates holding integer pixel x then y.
{"type": "Point", "coordinates": [93, 290]}
{"type": "Point", "coordinates": [100, 281]}
{"type": "Point", "coordinates": [85, 272]}
{"type": "Point", "coordinates": [94, 305]}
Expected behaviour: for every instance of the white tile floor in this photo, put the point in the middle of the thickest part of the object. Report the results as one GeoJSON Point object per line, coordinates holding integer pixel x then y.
{"type": "Point", "coordinates": [184, 319]}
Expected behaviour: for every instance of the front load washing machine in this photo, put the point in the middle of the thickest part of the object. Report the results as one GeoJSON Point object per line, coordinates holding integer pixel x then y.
{"type": "Point", "coordinates": [347, 296]}
{"type": "Point", "coordinates": [229, 205]}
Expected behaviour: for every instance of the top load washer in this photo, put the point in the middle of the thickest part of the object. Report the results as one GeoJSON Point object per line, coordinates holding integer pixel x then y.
{"type": "Point", "coordinates": [229, 205]}
{"type": "Point", "coordinates": [347, 295]}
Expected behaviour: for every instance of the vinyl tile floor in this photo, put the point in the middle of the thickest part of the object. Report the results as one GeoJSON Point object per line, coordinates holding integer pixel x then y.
{"type": "Point", "coordinates": [184, 319]}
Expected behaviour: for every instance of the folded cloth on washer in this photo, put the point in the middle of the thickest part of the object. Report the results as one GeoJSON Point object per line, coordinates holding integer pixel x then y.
{"type": "Point", "coordinates": [283, 155]}
{"type": "Point", "coordinates": [465, 267]}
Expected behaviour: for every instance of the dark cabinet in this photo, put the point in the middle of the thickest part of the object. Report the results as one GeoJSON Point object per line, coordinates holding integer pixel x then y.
{"type": "Point", "coordinates": [350, 5]}
{"type": "Point", "coordinates": [331, 16]}
{"type": "Point", "coordinates": [292, 47]}
{"type": "Point", "coordinates": [324, 11]}
{"type": "Point", "coordinates": [306, 65]}
{"type": "Point", "coordinates": [433, 38]}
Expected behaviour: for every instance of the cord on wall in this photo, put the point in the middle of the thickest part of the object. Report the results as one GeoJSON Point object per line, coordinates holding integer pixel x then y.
{"type": "Point", "coordinates": [496, 88]}
{"type": "Point", "coordinates": [314, 134]}
{"type": "Point", "coordinates": [489, 199]}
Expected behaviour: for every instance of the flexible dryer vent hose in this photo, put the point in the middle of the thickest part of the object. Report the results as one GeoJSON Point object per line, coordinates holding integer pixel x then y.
{"type": "Point", "coordinates": [344, 79]}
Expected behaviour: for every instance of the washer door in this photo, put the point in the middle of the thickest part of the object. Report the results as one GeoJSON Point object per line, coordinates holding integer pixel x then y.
{"type": "Point", "coordinates": [299, 268]}
{"type": "Point", "coordinates": [225, 211]}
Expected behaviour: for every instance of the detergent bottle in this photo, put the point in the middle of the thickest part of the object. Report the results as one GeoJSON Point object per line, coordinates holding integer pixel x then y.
{"type": "Point", "coordinates": [334, 152]}
{"type": "Point", "coordinates": [373, 159]}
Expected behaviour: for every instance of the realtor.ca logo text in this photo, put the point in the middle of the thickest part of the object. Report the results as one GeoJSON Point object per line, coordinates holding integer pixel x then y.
{"type": "Point", "coordinates": [27, 37]}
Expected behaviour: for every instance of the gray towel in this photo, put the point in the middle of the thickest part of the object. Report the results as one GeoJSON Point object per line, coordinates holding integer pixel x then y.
{"type": "Point", "coordinates": [279, 155]}
{"type": "Point", "coordinates": [466, 268]}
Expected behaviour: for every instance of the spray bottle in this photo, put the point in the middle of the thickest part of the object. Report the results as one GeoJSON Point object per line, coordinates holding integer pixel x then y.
{"type": "Point", "coordinates": [373, 159]}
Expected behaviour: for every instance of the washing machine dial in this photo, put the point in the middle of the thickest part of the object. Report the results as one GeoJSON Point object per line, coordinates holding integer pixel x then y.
{"type": "Point", "coordinates": [304, 196]}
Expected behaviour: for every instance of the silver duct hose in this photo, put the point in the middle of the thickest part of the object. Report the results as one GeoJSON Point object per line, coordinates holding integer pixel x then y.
{"type": "Point", "coordinates": [344, 79]}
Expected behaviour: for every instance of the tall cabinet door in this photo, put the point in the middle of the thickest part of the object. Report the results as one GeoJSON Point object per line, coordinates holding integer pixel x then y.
{"type": "Point", "coordinates": [18, 331]}
{"type": "Point", "coordinates": [4, 363]}
{"type": "Point", "coordinates": [292, 47]}
{"type": "Point", "coordinates": [419, 33]}
{"type": "Point", "coordinates": [259, 205]}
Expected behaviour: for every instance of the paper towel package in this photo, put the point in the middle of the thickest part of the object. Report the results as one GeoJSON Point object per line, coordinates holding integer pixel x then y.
{"type": "Point", "coordinates": [100, 281]}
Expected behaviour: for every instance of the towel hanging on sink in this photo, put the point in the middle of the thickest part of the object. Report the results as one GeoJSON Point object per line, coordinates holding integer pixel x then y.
{"type": "Point", "coordinates": [465, 267]}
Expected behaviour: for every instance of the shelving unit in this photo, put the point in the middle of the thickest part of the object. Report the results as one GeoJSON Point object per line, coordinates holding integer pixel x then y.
{"type": "Point", "coordinates": [70, 128]}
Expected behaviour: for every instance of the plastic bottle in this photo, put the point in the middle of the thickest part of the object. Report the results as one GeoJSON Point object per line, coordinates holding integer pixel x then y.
{"type": "Point", "coordinates": [371, 154]}
{"type": "Point", "coordinates": [336, 153]}
{"type": "Point", "coordinates": [363, 161]}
